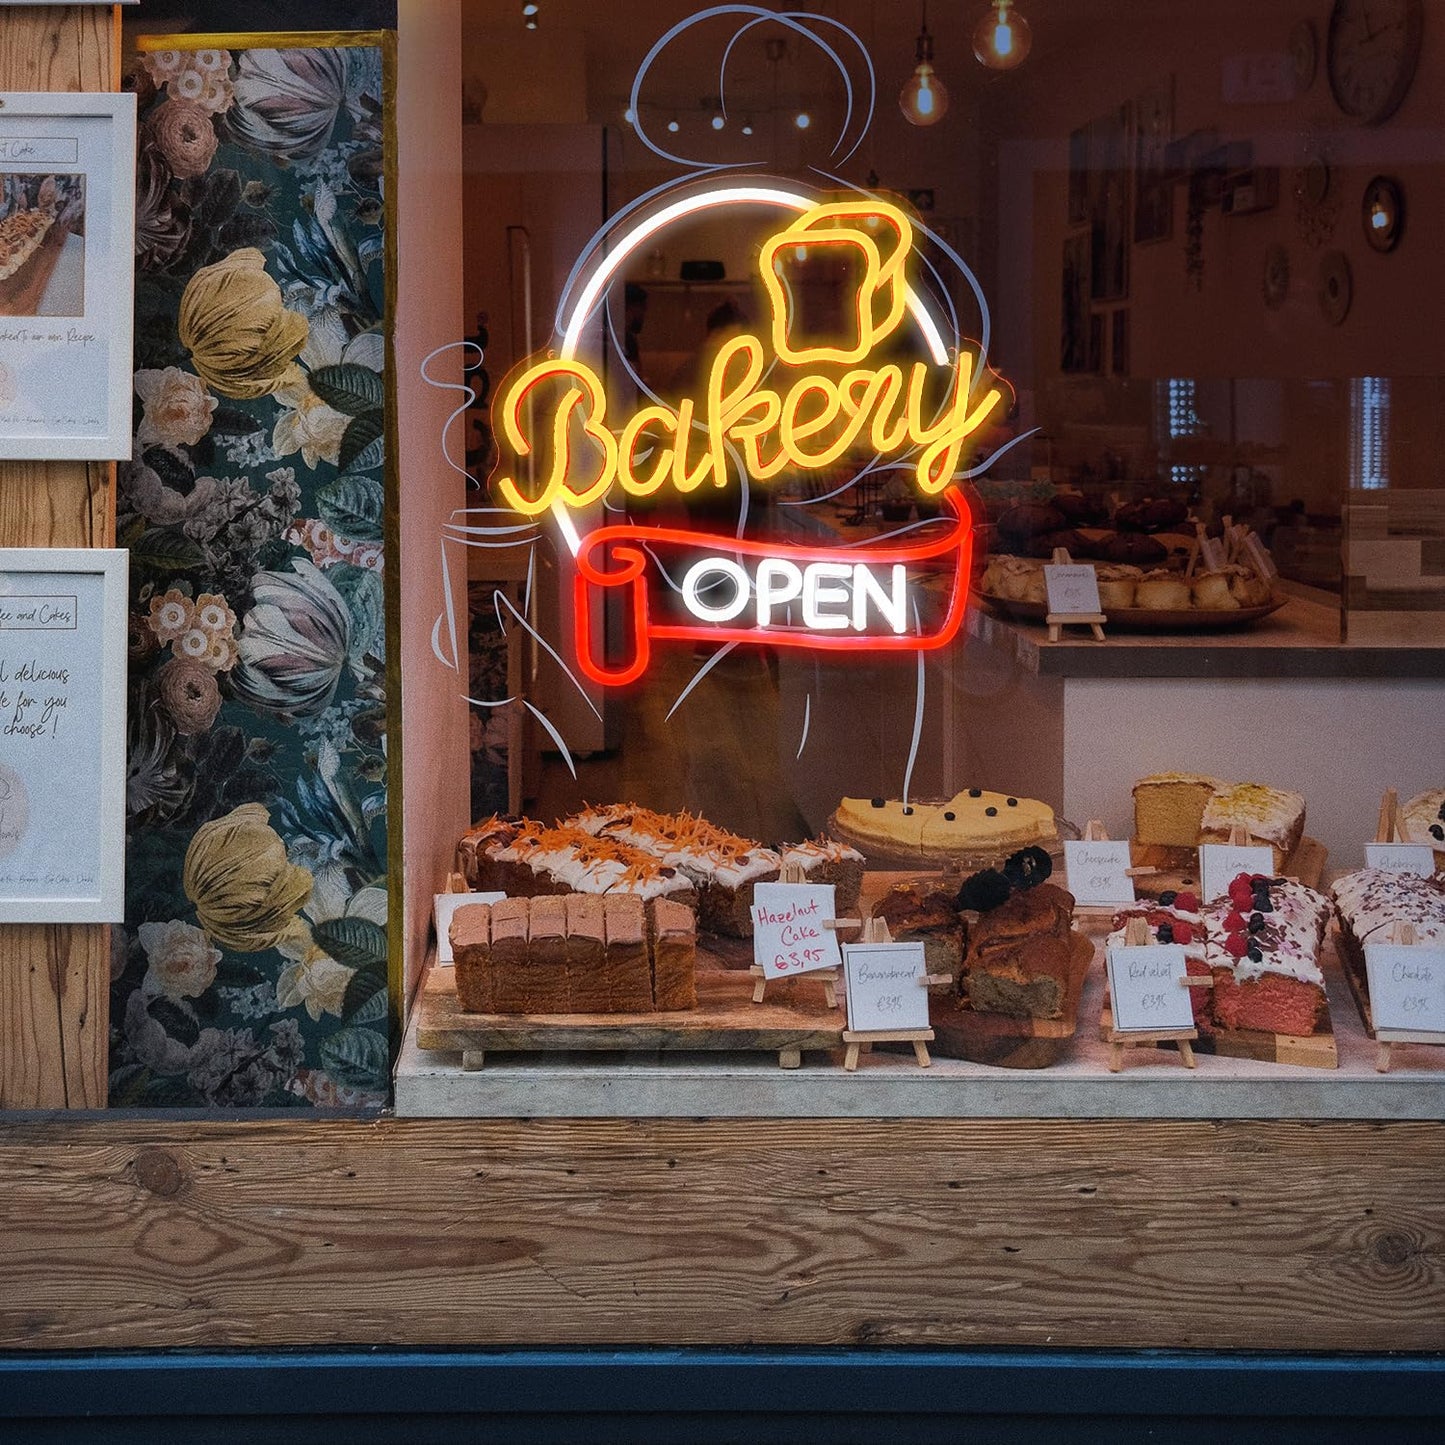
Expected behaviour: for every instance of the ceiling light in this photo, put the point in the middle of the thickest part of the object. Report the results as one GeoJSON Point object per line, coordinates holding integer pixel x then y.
{"type": "Point", "coordinates": [1001, 40]}
{"type": "Point", "coordinates": [529, 15]}
{"type": "Point", "coordinates": [718, 121]}
{"type": "Point", "coordinates": [803, 120]}
{"type": "Point", "coordinates": [924, 100]}
{"type": "Point", "coordinates": [747, 125]}
{"type": "Point", "coordinates": [673, 127]}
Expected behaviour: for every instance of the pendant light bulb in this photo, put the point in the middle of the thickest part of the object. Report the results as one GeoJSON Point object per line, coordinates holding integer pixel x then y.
{"type": "Point", "coordinates": [1001, 40]}
{"type": "Point", "coordinates": [924, 100]}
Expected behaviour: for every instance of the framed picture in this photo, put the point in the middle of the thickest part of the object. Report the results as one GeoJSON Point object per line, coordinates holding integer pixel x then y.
{"type": "Point", "coordinates": [1153, 181]}
{"type": "Point", "coordinates": [1079, 176]}
{"type": "Point", "coordinates": [1109, 205]}
{"type": "Point", "coordinates": [1074, 316]}
{"type": "Point", "coordinates": [67, 256]}
{"type": "Point", "coordinates": [1119, 343]}
{"type": "Point", "coordinates": [62, 734]}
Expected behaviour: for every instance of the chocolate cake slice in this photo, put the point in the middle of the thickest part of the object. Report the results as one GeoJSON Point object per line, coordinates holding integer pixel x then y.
{"type": "Point", "coordinates": [471, 938]}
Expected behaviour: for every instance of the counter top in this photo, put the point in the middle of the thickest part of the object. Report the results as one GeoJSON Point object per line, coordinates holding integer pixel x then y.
{"type": "Point", "coordinates": [1301, 640]}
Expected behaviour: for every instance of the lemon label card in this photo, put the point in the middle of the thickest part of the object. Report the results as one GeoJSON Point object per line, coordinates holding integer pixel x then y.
{"type": "Point", "coordinates": [1221, 863]}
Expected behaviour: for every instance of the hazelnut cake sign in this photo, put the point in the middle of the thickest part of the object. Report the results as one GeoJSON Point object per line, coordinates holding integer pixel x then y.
{"type": "Point", "coordinates": [776, 404]}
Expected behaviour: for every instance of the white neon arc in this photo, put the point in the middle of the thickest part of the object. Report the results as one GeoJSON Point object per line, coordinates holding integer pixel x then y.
{"type": "Point", "coordinates": [635, 236]}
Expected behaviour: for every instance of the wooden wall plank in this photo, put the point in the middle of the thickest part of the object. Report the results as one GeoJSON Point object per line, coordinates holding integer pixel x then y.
{"type": "Point", "coordinates": [1229, 1235]}
{"type": "Point", "coordinates": [54, 981]}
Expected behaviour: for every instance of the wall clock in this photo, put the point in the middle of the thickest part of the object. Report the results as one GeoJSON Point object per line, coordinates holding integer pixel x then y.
{"type": "Point", "coordinates": [1371, 53]}
{"type": "Point", "coordinates": [1383, 213]}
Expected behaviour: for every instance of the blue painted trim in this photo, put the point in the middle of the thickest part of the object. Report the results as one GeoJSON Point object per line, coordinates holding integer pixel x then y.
{"type": "Point", "coordinates": [823, 1382]}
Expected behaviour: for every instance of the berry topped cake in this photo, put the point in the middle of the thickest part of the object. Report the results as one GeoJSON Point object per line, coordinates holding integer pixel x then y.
{"type": "Point", "coordinates": [1422, 820]}
{"type": "Point", "coordinates": [1372, 901]}
{"type": "Point", "coordinates": [972, 821]}
{"type": "Point", "coordinates": [1175, 918]}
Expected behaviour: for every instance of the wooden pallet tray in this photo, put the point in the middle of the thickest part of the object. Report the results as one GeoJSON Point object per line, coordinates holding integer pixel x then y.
{"type": "Point", "coordinates": [1010, 1043]}
{"type": "Point", "coordinates": [794, 1017]}
{"type": "Point", "coordinates": [1179, 867]}
{"type": "Point", "coordinates": [1310, 1051]}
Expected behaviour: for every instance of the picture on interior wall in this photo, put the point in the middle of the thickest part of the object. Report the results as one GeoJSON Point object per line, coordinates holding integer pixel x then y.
{"type": "Point", "coordinates": [1079, 176]}
{"type": "Point", "coordinates": [67, 206]}
{"type": "Point", "coordinates": [1074, 322]}
{"type": "Point", "coordinates": [1109, 205]}
{"type": "Point", "coordinates": [1153, 181]}
{"type": "Point", "coordinates": [1119, 343]}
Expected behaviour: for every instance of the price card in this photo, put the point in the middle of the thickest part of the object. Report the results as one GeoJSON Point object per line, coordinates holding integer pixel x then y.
{"type": "Point", "coordinates": [1146, 988]}
{"type": "Point", "coordinates": [1099, 871]}
{"type": "Point", "coordinates": [1401, 858]}
{"type": "Point", "coordinates": [788, 932]}
{"type": "Point", "coordinates": [1407, 987]}
{"type": "Point", "coordinates": [885, 986]}
{"type": "Point", "coordinates": [1072, 588]}
{"type": "Point", "coordinates": [444, 905]}
{"type": "Point", "coordinates": [1221, 863]}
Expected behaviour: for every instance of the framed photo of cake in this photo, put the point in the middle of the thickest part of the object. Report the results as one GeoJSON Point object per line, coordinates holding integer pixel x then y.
{"type": "Point", "coordinates": [67, 247]}
{"type": "Point", "coordinates": [62, 734]}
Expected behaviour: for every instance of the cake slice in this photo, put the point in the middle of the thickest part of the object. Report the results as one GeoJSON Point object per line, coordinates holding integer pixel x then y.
{"type": "Point", "coordinates": [586, 952]}
{"type": "Point", "coordinates": [626, 969]}
{"type": "Point", "coordinates": [674, 955]}
{"type": "Point", "coordinates": [475, 850]}
{"type": "Point", "coordinates": [1422, 820]}
{"type": "Point", "coordinates": [1267, 815]}
{"type": "Point", "coordinates": [509, 956]}
{"type": "Point", "coordinates": [471, 938]}
{"type": "Point", "coordinates": [920, 912]}
{"type": "Point", "coordinates": [546, 963]}
{"type": "Point", "coordinates": [1019, 955]}
{"type": "Point", "coordinates": [1169, 808]}
{"type": "Point", "coordinates": [823, 860]}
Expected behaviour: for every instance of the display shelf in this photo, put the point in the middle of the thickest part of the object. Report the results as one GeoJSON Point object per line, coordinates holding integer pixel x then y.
{"type": "Point", "coordinates": [686, 1085]}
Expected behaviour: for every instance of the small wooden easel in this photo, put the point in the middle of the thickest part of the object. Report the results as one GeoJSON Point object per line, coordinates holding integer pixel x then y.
{"type": "Point", "coordinates": [1057, 621]}
{"type": "Point", "coordinates": [1387, 829]}
{"type": "Point", "coordinates": [875, 930]}
{"type": "Point", "coordinates": [1386, 1039]}
{"type": "Point", "coordinates": [828, 977]}
{"type": "Point", "coordinates": [1136, 933]}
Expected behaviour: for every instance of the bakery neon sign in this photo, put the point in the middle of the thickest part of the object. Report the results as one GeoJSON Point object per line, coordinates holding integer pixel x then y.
{"type": "Point", "coordinates": [772, 405]}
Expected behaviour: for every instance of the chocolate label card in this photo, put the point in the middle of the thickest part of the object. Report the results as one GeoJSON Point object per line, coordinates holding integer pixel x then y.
{"type": "Point", "coordinates": [1147, 988]}
{"type": "Point", "coordinates": [1072, 588]}
{"type": "Point", "coordinates": [1401, 858]}
{"type": "Point", "coordinates": [789, 936]}
{"type": "Point", "coordinates": [1407, 987]}
{"type": "Point", "coordinates": [445, 904]}
{"type": "Point", "coordinates": [1099, 871]}
{"type": "Point", "coordinates": [1221, 863]}
{"type": "Point", "coordinates": [885, 986]}
{"type": "Point", "coordinates": [62, 735]}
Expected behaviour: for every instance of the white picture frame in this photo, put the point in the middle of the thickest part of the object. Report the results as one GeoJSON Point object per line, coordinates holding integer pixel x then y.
{"type": "Point", "coordinates": [67, 312]}
{"type": "Point", "coordinates": [62, 734]}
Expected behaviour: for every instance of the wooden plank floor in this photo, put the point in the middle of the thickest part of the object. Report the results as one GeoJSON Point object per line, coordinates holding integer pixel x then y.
{"type": "Point", "coordinates": [1223, 1235]}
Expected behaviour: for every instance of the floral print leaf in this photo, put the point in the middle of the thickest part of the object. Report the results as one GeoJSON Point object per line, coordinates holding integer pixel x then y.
{"type": "Point", "coordinates": [362, 446]}
{"type": "Point", "coordinates": [353, 506]}
{"type": "Point", "coordinates": [356, 942]}
{"type": "Point", "coordinates": [356, 1056]}
{"type": "Point", "coordinates": [366, 598]}
{"type": "Point", "coordinates": [178, 1021]}
{"type": "Point", "coordinates": [165, 550]}
{"type": "Point", "coordinates": [171, 465]}
{"type": "Point", "coordinates": [354, 390]}
{"type": "Point", "coordinates": [231, 421]}
{"type": "Point", "coordinates": [365, 998]}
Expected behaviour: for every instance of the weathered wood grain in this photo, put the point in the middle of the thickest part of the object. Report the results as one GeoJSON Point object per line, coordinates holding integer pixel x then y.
{"type": "Point", "coordinates": [54, 1004]}
{"type": "Point", "coordinates": [1240, 1235]}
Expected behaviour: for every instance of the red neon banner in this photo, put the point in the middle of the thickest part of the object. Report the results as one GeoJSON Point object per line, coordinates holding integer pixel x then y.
{"type": "Point", "coordinates": [615, 558]}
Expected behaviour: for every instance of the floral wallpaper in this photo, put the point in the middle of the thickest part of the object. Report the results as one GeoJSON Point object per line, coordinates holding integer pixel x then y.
{"type": "Point", "coordinates": [252, 967]}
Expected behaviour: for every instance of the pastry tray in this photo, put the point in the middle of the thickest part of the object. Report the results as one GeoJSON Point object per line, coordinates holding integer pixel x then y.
{"type": "Point", "coordinates": [1146, 619]}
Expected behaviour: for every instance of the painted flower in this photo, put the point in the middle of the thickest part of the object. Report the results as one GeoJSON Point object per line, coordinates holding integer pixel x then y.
{"type": "Point", "coordinates": [189, 694]}
{"type": "Point", "coordinates": [315, 982]}
{"type": "Point", "coordinates": [245, 891]}
{"type": "Point", "coordinates": [182, 959]}
{"type": "Point", "coordinates": [177, 407]}
{"type": "Point", "coordinates": [243, 341]}
{"type": "Point", "coordinates": [222, 654]}
{"type": "Point", "coordinates": [171, 615]}
{"type": "Point", "coordinates": [293, 642]}
{"type": "Point", "coordinates": [182, 132]}
{"type": "Point", "coordinates": [193, 644]}
{"type": "Point", "coordinates": [287, 101]}
{"type": "Point", "coordinates": [162, 219]}
{"type": "Point", "coordinates": [213, 613]}
{"type": "Point", "coordinates": [162, 65]}
{"type": "Point", "coordinates": [308, 426]}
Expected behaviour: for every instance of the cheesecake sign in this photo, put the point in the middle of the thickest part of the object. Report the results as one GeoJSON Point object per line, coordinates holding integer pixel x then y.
{"type": "Point", "coordinates": [778, 403]}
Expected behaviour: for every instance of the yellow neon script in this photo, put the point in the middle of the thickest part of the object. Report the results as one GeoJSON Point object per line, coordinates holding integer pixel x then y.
{"type": "Point", "coordinates": [803, 426]}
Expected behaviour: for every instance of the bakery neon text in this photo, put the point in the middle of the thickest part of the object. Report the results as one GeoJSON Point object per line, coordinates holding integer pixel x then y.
{"type": "Point", "coordinates": [807, 424]}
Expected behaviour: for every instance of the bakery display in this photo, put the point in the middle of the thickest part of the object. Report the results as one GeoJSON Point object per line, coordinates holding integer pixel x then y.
{"type": "Point", "coordinates": [974, 821]}
{"type": "Point", "coordinates": [1422, 821]}
{"type": "Point", "coordinates": [1183, 810]}
{"type": "Point", "coordinates": [578, 954]}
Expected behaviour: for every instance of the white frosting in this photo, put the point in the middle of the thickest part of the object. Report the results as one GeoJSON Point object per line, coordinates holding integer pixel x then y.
{"type": "Point", "coordinates": [1289, 943]}
{"type": "Point", "coordinates": [1372, 900]}
{"type": "Point", "coordinates": [1269, 814]}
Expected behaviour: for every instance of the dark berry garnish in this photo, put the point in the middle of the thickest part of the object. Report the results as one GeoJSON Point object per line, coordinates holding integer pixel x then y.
{"type": "Point", "coordinates": [1254, 955]}
{"type": "Point", "coordinates": [1166, 933]}
{"type": "Point", "coordinates": [877, 802]}
{"type": "Point", "coordinates": [1436, 831]}
{"type": "Point", "coordinates": [1167, 897]}
{"type": "Point", "coordinates": [975, 792]}
{"type": "Point", "coordinates": [1256, 922]}
{"type": "Point", "coordinates": [907, 811]}
{"type": "Point", "coordinates": [950, 817]}
{"type": "Point", "coordinates": [1027, 867]}
{"type": "Point", "coordinates": [982, 891]}
{"type": "Point", "coordinates": [1013, 802]}
{"type": "Point", "coordinates": [990, 812]}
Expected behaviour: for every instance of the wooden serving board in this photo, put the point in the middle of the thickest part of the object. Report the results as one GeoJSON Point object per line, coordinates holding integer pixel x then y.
{"type": "Point", "coordinates": [1310, 1051]}
{"type": "Point", "coordinates": [961, 1032]}
{"type": "Point", "coordinates": [1179, 867]}
{"type": "Point", "coordinates": [795, 1016]}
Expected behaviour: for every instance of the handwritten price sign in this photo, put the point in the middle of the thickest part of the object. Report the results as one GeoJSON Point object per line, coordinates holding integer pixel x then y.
{"type": "Point", "coordinates": [1099, 871]}
{"type": "Point", "coordinates": [1147, 989]}
{"type": "Point", "coordinates": [885, 986]}
{"type": "Point", "coordinates": [1221, 863]}
{"type": "Point", "coordinates": [1407, 987]}
{"type": "Point", "coordinates": [788, 933]}
{"type": "Point", "coordinates": [1401, 858]}
{"type": "Point", "coordinates": [1072, 588]}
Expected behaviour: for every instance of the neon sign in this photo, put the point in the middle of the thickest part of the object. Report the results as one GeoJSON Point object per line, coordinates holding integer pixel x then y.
{"type": "Point", "coordinates": [776, 404]}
